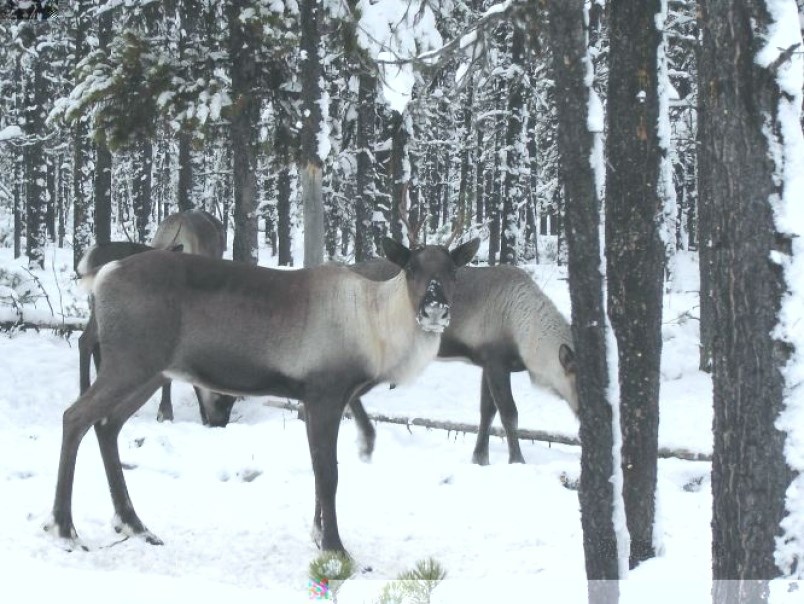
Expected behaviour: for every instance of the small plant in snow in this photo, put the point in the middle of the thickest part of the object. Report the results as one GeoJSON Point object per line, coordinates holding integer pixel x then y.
{"type": "Point", "coordinates": [18, 289]}
{"type": "Point", "coordinates": [415, 586]}
{"type": "Point", "coordinates": [327, 573]}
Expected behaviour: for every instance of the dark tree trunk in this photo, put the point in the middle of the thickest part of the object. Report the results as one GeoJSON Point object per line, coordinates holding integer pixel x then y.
{"type": "Point", "coordinates": [244, 72]}
{"type": "Point", "coordinates": [33, 151]}
{"type": "Point", "coordinates": [514, 161]}
{"type": "Point", "coordinates": [464, 209]}
{"type": "Point", "coordinates": [480, 191]}
{"type": "Point", "coordinates": [51, 195]}
{"type": "Point", "coordinates": [312, 167]}
{"type": "Point", "coordinates": [184, 192]}
{"type": "Point", "coordinates": [635, 253]}
{"type": "Point", "coordinates": [103, 157]}
{"type": "Point", "coordinates": [141, 186]}
{"type": "Point", "coordinates": [495, 203]}
{"type": "Point", "coordinates": [749, 473]}
{"type": "Point", "coordinates": [283, 196]}
{"type": "Point", "coordinates": [366, 172]}
{"type": "Point", "coordinates": [399, 176]}
{"type": "Point", "coordinates": [575, 142]}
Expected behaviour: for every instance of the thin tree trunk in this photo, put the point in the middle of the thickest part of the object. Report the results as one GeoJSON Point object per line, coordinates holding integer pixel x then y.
{"type": "Point", "coordinates": [141, 186]}
{"type": "Point", "coordinates": [244, 71]}
{"type": "Point", "coordinates": [635, 253]}
{"type": "Point", "coordinates": [366, 172]}
{"type": "Point", "coordinates": [575, 143]}
{"type": "Point", "coordinates": [514, 160]}
{"type": "Point", "coordinates": [33, 151]}
{"type": "Point", "coordinates": [311, 172]}
{"type": "Point", "coordinates": [103, 159]}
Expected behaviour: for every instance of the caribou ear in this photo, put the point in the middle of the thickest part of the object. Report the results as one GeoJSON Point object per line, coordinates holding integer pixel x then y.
{"type": "Point", "coordinates": [465, 252]}
{"type": "Point", "coordinates": [395, 252]}
{"type": "Point", "coordinates": [567, 358]}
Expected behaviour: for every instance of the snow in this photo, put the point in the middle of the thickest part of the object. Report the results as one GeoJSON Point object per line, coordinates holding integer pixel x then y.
{"type": "Point", "coordinates": [787, 150]}
{"type": "Point", "coordinates": [10, 132]}
{"type": "Point", "coordinates": [234, 506]}
{"type": "Point", "coordinates": [394, 33]}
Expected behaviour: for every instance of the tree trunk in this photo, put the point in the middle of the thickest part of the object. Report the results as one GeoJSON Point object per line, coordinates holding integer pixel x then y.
{"type": "Point", "coordinates": [635, 253]}
{"type": "Point", "coordinates": [283, 183]}
{"type": "Point", "coordinates": [184, 199]}
{"type": "Point", "coordinates": [575, 144]}
{"type": "Point", "coordinates": [311, 172]}
{"type": "Point", "coordinates": [514, 160]}
{"type": "Point", "coordinates": [33, 151]}
{"type": "Point", "coordinates": [244, 72]}
{"type": "Point", "coordinates": [749, 474]}
{"type": "Point", "coordinates": [141, 185]}
{"type": "Point", "coordinates": [400, 176]}
{"type": "Point", "coordinates": [366, 172]}
{"type": "Point", "coordinates": [103, 158]}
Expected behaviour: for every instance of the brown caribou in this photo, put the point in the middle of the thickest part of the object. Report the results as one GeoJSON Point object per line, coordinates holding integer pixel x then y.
{"type": "Point", "coordinates": [323, 335]}
{"type": "Point", "coordinates": [503, 322]}
{"type": "Point", "coordinates": [193, 232]}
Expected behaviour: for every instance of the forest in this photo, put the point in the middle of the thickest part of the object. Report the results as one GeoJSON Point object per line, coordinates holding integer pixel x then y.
{"type": "Point", "coordinates": [631, 148]}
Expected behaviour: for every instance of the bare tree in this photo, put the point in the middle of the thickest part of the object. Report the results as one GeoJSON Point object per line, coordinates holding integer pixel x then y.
{"type": "Point", "coordinates": [737, 116]}
{"type": "Point", "coordinates": [575, 142]}
{"type": "Point", "coordinates": [635, 253]}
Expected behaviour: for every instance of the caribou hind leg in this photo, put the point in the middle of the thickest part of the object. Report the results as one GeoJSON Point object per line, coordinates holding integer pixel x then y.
{"type": "Point", "coordinates": [165, 412]}
{"type": "Point", "coordinates": [365, 429]}
{"type": "Point", "coordinates": [499, 383]}
{"type": "Point", "coordinates": [488, 410]}
{"type": "Point", "coordinates": [106, 405]}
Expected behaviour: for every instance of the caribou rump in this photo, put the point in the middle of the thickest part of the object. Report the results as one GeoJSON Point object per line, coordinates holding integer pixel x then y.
{"type": "Point", "coordinates": [503, 322]}
{"type": "Point", "coordinates": [192, 231]}
{"type": "Point", "coordinates": [322, 335]}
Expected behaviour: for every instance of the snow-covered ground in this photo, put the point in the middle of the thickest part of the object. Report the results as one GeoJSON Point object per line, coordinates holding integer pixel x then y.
{"type": "Point", "coordinates": [234, 506]}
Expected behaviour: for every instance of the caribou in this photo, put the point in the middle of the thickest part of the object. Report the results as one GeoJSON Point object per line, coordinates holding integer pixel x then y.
{"type": "Point", "coordinates": [502, 322]}
{"type": "Point", "coordinates": [322, 335]}
{"type": "Point", "coordinates": [193, 232]}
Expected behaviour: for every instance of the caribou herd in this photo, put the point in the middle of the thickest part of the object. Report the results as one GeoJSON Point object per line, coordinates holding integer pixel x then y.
{"type": "Point", "coordinates": [324, 336]}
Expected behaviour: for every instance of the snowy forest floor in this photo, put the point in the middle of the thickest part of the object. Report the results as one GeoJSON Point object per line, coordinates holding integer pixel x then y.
{"type": "Point", "coordinates": [234, 506]}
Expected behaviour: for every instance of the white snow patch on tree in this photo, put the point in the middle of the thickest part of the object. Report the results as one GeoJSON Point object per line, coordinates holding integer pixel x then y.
{"type": "Point", "coordinates": [394, 33]}
{"type": "Point", "coordinates": [666, 218]}
{"type": "Point", "coordinates": [10, 132]}
{"type": "Point", "coordinates": [782, 52]}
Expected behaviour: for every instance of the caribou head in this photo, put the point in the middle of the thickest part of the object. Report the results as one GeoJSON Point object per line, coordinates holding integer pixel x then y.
{"type": "Point", "coordinates": [430, 272]}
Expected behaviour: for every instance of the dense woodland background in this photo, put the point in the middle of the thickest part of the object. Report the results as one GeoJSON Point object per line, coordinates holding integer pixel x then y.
{"type": "Point", "coordinates": [132, 110]}
{"type": "Point", "coordinates": [529, 124]}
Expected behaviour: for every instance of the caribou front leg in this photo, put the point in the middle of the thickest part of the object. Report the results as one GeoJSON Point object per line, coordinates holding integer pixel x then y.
{"type": "Point", "coordinates": [499, 382]}
{"type": "Point", "coordinates": [323, 422]}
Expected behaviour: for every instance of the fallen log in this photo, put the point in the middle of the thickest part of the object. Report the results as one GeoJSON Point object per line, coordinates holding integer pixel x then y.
{"type": "Point", "coordinates": [524, 434]}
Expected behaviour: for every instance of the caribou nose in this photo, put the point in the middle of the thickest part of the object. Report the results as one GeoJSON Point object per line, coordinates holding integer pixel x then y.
{"type": "Point", "coordinates": [434, 312]}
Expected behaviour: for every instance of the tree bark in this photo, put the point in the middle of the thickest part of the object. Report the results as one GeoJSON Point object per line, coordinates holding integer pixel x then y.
{"type": "Point", "coordinates": [749, 473]}
{"type": "Point", "coordinates": [635, 253]}
{"type": "Point", "coordinates": [103, 157]}
{"type": "Point", "coordinates": [244, 72]}
{"type": "Point", "coordinates": [312, 166]}
{"type": "Point", "coordinates": [366, 172]}
{"type": "Point", "coordinates": [575, 143]}
{"type": "Point", "coordinates": [514, 159]}
{"type": "Point", "coordinates": [33, 150]}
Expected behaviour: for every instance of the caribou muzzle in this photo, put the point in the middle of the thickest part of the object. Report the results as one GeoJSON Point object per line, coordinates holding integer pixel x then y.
{"type": "Point", "coordinates": [434, 312]}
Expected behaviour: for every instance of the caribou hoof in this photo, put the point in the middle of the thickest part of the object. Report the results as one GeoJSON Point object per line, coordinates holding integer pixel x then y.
{"type": "Point", "coordinates": [66, 539]}
{"type": "Point", "coordinates": [137, 532]}
{"type": "Point", "coordinates": [481, 459]}
{"type": "Point", "coordinates": [164, 417]}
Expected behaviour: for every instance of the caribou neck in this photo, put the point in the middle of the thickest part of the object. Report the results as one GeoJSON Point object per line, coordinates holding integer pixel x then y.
{"type": "Point", "coordinates": [403, 347]}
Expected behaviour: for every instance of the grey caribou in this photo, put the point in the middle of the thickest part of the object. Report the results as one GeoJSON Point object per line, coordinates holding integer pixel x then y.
{"type": "Point", "coordinates": [193, 232]}
{"type": "Point", "coordinates": [323, 335]}
{"type": "Point", "coordinates": [503, 322]}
